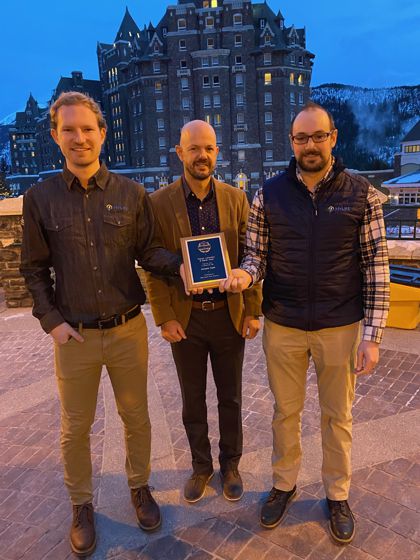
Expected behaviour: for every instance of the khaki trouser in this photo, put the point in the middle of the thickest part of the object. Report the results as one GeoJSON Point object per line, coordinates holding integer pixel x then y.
{"type": "Point", "coordinates": [333, 351]}
{"type": "Point", "coordinates": [123, 350]}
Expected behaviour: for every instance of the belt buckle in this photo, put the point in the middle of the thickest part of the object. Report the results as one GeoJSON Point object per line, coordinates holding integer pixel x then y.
{"type": "Point", "coordinates": [103, 322]}
{"type": "Point", "coordinates": [207, 305]}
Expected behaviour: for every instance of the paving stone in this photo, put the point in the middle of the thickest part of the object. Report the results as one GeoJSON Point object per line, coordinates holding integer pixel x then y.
{"type": "Point", "coordinates": [216, 535]}
{"type": "Point", "coordinates": [379, 542]}
{"type": "Point", "coordinates": [408, 524]}
{"type": "Point", "coordinates": [232, 546]}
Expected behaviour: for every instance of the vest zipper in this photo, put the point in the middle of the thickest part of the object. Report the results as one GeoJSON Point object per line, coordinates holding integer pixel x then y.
{"type": "Point", "coordinates": [312, 264]}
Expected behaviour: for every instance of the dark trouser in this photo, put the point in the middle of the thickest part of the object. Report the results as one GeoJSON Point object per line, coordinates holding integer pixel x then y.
{"type": "Point", "coordinates": [211, 333]}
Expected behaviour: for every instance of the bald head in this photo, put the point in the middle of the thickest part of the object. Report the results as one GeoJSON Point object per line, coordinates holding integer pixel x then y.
{"type": "Point", "coordinates": [196, 129]}
{"type": "Point", "coordinates": [197, 149]}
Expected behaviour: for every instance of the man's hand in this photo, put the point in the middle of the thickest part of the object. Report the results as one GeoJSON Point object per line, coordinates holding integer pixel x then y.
{"type": "Point", "coordinates": [250, 327]}
{"type": "Point", "coordinates": [63, 332]}
{"type": "Point", "coordinates": [194, 291]}
{"type": "Point", "coordinates": [367, 357]}
{"type": "Point", "coordinates": [172, 331]}
{"type": "Point", "coordinates": [237, 281]}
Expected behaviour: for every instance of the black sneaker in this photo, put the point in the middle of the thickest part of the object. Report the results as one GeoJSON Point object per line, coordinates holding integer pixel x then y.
{"type": "Point", "coordinates": [147, 510]}
{"type": "Point", "coordinates": [275, 507]}
{"type": "Point", "coordinates": [232, 485]}
{"type": "Point", "coordinates": [341, 521]}
{"type": "Point", "coordinates": [195, 487]}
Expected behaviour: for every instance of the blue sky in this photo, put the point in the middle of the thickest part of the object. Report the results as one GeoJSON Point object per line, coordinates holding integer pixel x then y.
{"type": "Point", "coordinates": [371, 43]}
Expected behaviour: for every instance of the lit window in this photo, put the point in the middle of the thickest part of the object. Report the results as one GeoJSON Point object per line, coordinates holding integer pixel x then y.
{"type": "Point", "coordinates": [241, 155]}
{"type": "Point", "coordinates": [269, 155]}
{"type": "Point", "coordinates": [292, 78]}
{"type": "Point", "coordinates": [213, 3]}
{"type": "Point", "coordinates": [206, 101]}
{"type": "Point", "coordinates": [237, 19]}
{"type": "Point", "coordinates": [206, 81]}
{"type": "Point", "coordinates": [158, 86]}
{"type": "Point", "coordinates": [217, 119]}
{"type": "Point", "coordinates": [268, 99]}
{"type": "Point", "coordinates": [267, 79]}
{"type": "Point", "coordinates": [209, 22]}
{"type": "Point", "coordinates": [239, 80]}
{"type": "Point", "coordinates": [182, 45]}
{"type": "Point", "coordinates": [182, 24]}
{"type": "Point", "coordinates": [267, 58]}
{"type": "Point", "coordinates": [216, 81]}
{"type": "Point", "coordinates": [268, 117]}
{"type": "Point", "coordinates": [268, 137]}
{"type": "Point", "coordinates": [216, 100]}
{"type": "Point", "coordinates": [207, 118]}
{"type": "Point", "coordinates": [300, 80]}
{"type": "Point", "coordinates": [238, 40]}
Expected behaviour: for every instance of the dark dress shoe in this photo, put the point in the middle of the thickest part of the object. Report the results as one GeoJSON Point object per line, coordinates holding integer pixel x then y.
{"type": "Point", "coordinates": [275, 507]}
{"type": "Point", "coordinates": [82, 532]}
{"type": "Point", "coordinates": [341, 521]}
{"type": "Point", "coordinates": [232, 485]}
{"type": "Point", "coordinates": [147, 510]}
{"type": "Point", "coordinates": [195, 487]}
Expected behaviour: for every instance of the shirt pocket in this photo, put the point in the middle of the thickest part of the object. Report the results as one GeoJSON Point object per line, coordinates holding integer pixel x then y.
{"type": "Point", "coordinates": [118, 229]}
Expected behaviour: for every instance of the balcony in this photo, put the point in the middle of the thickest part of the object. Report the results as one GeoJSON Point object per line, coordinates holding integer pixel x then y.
{"type": "Point", "coordinates": [240, 127]}
{"type": "Point", "coordinates": [183, 72]}
{"type": "Point", "coordinates": [238, 68]}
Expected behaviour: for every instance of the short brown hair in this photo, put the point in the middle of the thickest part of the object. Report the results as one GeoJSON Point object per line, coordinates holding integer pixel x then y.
{"type": "Point", "coordinates": [310, 106]}
{"type": "Point", "coordinates": [76, 98]}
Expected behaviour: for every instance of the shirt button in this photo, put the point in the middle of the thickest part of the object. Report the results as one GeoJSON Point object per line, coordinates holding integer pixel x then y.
{"type": "Point", "coordinates": [95, 268]}
{"type": "Point", "coordinates": [91, 243]}
{"type": "Point", "coordinates": [86, 195]}
{"type": "Point", "coordinates": [203, 227]}
{"type": "Point", "coordinates": [103, 314]}
{"type": "Point", "coordinates": [88, 220]}
{"type": "Point", "coordinates": [56, 227]}
{"type": "Point", "coordinates": [99, 291]}
{"type": "Point", "coordinates": [200, 207]}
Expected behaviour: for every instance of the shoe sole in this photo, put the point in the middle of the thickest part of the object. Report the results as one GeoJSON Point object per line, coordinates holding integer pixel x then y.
{"type": "Point", "coordinates": [150, 529]}
{"type": "Point", "coordinates": [203, 492]}
{"type": "Point", "coordinates": [338, 540]}
{"type": "Point", "coordinates": [85, 553]}
{"type": "Point", "coordinates": [289, 501]}
{"type": "Point", "coordinates": [227, 497]}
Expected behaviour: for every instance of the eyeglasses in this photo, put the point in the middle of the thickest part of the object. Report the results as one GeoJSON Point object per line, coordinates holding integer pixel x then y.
{"type": "Point", "coordinates": [318, 137]}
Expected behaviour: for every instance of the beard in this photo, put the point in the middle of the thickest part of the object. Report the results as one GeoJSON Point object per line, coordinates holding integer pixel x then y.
{"type": "Point", "coordinates": [198, 173]}
{"type": "Point", "coordinates": [319, 162]}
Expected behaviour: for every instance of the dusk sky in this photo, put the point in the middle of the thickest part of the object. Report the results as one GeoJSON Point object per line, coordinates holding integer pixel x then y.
{"type": "Point", "coordinates": [369, 43]}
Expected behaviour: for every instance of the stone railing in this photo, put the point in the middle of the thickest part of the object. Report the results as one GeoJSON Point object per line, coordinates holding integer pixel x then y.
{"type": "Point", "coordinates": [12, 282]}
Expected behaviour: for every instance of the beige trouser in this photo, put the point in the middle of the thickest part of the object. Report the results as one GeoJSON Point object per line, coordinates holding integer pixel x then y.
{"type": "Point", "coordinates": [123, 350]}
{"type": "Point", "coordinates": [333, 351]}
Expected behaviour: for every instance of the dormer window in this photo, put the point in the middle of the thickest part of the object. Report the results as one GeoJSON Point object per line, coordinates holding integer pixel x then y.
{"type": "Point", "coordinates": [209, 22]}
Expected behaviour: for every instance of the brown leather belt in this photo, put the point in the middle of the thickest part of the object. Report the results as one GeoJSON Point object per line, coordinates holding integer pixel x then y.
{"type": "Point", "coordinates": [110, 322]}
{"type": "Point", "coordinates": [209, 305]}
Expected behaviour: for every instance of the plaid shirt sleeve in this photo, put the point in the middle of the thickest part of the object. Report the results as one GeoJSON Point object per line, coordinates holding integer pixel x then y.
{"type": "Point", "coordinates": [256, 243]}
{"type": "Point", "coordinates": [375, 269]}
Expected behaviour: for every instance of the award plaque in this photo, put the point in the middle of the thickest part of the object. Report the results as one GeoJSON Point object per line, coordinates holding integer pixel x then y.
{"type": "Point", "coordinates": [206, 260]}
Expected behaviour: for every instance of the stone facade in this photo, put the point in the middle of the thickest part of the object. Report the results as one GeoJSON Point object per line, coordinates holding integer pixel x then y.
{"type": "Point", "coordinates": [10, 249]}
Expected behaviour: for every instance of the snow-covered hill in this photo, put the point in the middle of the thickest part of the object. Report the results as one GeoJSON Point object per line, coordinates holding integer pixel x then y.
{"type": "Point", "coordinates": [371, 122]}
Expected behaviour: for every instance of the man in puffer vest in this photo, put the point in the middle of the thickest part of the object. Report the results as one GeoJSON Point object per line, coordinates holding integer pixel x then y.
{"type": "Point", "coordinates": [316, 236]}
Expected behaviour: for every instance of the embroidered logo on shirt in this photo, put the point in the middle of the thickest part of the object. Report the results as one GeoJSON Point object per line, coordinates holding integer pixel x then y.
{"type": "Point", "coordinates": [116, 208]}
{"type": "Point", "coordinates": [338, 208]}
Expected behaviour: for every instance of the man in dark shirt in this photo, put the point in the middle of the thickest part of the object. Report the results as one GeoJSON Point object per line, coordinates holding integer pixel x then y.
{"type": "Point", "coordinates": [205, 324]}
{"type": "Point", "coordinates": [90, 225]}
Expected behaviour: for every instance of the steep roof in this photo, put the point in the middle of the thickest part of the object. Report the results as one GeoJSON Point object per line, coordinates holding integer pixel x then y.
{"type": "Point", "coordinates": [413, 134]}
{"type": "Point", "coordinates": [128, 28]}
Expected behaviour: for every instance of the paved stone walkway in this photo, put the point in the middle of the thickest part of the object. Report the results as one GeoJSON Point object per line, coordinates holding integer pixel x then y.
{"type": "Point", "coordinates": [35, 513]}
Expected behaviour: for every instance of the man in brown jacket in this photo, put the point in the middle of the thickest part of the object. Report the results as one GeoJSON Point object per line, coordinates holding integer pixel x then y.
{"type": "Point", "coordinates": [205, 324]}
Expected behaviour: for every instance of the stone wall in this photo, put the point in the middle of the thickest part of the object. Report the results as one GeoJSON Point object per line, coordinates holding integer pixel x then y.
{"type": "Point", "coordinates": [11, 281]}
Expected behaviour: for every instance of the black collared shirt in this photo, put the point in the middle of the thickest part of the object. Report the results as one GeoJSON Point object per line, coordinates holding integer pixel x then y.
{"type": "Point", "coordinates": [91, 238]}
{"type": "Point", "coordinates": [204, 218]}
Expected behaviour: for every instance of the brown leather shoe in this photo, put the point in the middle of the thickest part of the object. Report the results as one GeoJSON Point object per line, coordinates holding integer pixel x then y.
{"type": "Point", "coordinates": [82, 532]}
{"type": "Point", "coordinates": [232, 485]}
{"type": "Point", "coordinates": [147, 510]}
